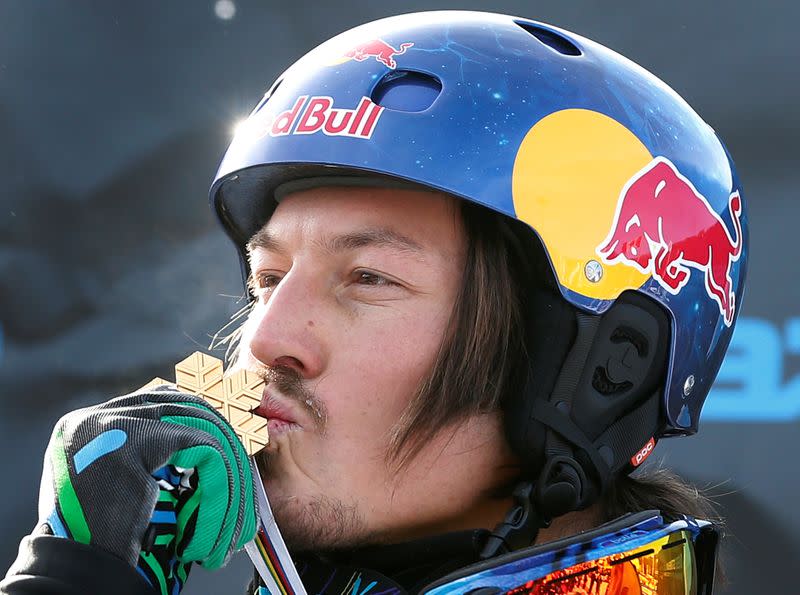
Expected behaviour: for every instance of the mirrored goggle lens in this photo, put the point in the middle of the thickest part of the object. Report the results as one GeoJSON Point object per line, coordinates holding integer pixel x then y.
{"type": "Point", "coordinates": [665, 566]}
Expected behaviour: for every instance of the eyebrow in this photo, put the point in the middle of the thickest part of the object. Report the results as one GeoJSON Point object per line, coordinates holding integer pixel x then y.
{"type": "Point", "coordinates": [381, 236]}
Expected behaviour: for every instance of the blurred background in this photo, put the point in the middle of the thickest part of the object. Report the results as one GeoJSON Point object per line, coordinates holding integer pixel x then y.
{"type": "Point", "coordinates": [113, 117]}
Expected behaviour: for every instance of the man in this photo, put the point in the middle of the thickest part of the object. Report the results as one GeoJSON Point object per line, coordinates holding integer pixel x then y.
{"type": "Point", "coordinates": [491, 264]}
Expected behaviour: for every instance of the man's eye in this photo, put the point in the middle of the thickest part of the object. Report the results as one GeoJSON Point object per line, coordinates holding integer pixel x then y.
{"type": "Point", "coordinates": [266, 281]}
{"type": "Point", "coordinates": [370, 278]}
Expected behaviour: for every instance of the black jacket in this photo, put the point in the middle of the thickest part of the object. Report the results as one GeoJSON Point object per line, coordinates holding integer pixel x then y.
{"type": "Point", "coordinates": [49, 565]}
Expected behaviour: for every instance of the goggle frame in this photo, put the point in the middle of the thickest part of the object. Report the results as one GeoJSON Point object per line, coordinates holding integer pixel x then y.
{"type": "Point", "coordinates": [624, 534]}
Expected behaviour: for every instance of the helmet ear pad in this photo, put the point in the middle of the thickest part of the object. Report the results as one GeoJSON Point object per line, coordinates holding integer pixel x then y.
{"type": "Point", "coordinates": [627, 364]}
{"type": "Point", "coordinates": [593, 391]}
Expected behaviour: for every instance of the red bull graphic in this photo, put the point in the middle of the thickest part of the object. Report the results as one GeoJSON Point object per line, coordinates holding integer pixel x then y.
{"type": "Point", "coordinates": [310, 115]}
{"type": "Point", "coordinates": [378, 49]}
{"type": "Point", "coordinates": [663, 226]}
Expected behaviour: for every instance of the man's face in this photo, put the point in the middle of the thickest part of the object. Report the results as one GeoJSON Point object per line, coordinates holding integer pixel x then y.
{"type": "Point", "coordinates": [355, 287]}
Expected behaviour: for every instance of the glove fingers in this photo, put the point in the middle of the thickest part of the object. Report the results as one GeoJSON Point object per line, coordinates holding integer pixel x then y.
{"type": "Point", "coordinates": [211, 503]}
{"type": "Point", "coordinates": [241, 514]}
{"type": "Point", "coordinates": [170, 399]}
{"type": "Point", "coordinates": [243, 486]}
{"type": "Point", "coordinates": [197, 424]}
{"type": "Point", "coordinates": [239, 510]}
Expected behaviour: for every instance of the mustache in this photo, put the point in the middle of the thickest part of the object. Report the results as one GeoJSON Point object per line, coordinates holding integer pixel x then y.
{"type": "Point", "coordinates": [290, 384]}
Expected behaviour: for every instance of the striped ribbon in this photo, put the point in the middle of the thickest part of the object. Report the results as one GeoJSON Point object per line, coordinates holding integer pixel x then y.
{"type": "Point", "coordinates": [269, 554]}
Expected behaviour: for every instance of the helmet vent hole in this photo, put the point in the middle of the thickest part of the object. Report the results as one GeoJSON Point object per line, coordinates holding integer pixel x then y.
{"type": "Point", "coordinates": [407, 91]}
{"type": "Point", "coordinates": [553, 40]}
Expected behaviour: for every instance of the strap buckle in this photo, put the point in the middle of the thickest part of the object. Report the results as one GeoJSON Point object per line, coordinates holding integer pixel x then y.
{"type": "Point", "coordinates": [520, 527]}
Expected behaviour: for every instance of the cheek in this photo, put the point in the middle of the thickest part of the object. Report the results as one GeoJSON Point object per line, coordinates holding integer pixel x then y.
{"type": "Point", "coordinates": [399, 351]}
{"type": "Point", "coordinates": [374, 375]}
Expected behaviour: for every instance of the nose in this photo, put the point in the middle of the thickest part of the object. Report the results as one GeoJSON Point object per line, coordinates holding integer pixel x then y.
{"type": "Point", "coordinates": [285, 329]}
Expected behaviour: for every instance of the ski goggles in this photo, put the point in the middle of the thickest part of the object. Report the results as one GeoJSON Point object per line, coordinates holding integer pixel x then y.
{"type": "Point", "coordinates": [637, 554]}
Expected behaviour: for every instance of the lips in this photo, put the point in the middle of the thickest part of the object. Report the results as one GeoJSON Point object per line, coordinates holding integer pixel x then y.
{"type": "Point", "coordinates": [280, 415]}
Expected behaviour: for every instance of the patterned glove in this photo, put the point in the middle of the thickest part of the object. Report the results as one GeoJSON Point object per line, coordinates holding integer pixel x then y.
{"type": "Point", "coordinates": [157, 478]}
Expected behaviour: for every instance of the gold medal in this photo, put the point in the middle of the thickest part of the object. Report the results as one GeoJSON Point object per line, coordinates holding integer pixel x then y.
{"type": "Point", "coordinates": [234, 395]}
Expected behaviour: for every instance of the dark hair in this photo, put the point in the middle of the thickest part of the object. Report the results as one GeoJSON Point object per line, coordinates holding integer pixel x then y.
{"type": "Point", "coordinates": [656, 488]}
{"type": "Point", "coordinates": [484, 350]}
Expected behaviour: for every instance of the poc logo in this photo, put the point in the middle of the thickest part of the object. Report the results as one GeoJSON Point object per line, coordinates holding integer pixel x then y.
{"type": "Point", "coordinates": [640, 456]}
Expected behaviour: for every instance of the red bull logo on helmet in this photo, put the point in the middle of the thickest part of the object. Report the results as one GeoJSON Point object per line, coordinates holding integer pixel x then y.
{"type": "Point", "coordinates": [378, 49]}
{"type": "Point", "coordinates": [663, 226]}
{"type": "Point", "coordinates": [309, 115]}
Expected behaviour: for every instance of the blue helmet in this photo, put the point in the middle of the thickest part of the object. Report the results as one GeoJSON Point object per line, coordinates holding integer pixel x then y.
{"type": "Point", "coordinates": [625, 194]}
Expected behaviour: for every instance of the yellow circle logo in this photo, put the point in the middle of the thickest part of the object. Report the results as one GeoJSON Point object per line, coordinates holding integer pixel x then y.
{"type": "Point", "coordinates": [568, 175]}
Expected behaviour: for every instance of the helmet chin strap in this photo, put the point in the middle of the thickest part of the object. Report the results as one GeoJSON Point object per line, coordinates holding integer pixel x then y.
{"type": "Point", "coordinates": [520, 527]}
{"type": "Point", "coordinates": [603, 406]}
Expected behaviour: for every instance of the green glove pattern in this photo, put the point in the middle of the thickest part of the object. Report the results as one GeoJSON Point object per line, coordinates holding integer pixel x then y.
{"type": "Point", "coordinates": [157, 478]}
